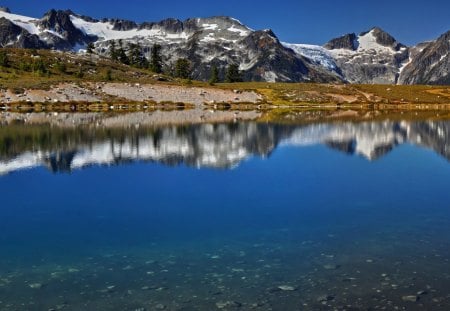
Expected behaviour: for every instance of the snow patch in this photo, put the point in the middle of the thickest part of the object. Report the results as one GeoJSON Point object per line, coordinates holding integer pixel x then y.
{"type": "Point", "coordinates": [210, 26]}
{"type": "Point", "coordinates": [315, 53]}
{"type": "Point", "coordinates": [27, 23]}
{"type": "Point", "coordinates": [406, 63]}
{"type": "Point", "coordinates": [440, 60]}
{"type": "Point", "coordinates": [270, 76]}
{"type": "Point", "coordinates": [105, 31]}
{"type": "Point", "coordinates": [240, 23]}
{"type": "Point", "coordinates": [369, 42]}
{"type": "Point", "coordinates": [242, 32]}
{"type": "Point", "coordinates": [208, 38]}
{"type": "Point", "coordinates": [246, 66]}
{"type": "Point", "coordinates": [54, 33]}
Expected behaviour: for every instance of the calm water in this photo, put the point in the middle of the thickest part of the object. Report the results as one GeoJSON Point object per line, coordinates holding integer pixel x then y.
{"type": "Point", "coordinates": [341, 216]}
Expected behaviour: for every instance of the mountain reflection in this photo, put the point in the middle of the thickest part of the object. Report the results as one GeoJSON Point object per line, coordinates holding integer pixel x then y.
{"type": "Point", "coordinates": [205, 145]}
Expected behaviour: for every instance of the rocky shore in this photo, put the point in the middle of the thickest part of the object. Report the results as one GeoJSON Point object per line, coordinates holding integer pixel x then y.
{"type": "Point", "coordinates": [157, 93]}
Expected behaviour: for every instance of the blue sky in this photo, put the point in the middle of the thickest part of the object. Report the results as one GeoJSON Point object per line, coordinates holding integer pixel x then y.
{"type": "Point", "coordinates": [293, 21]}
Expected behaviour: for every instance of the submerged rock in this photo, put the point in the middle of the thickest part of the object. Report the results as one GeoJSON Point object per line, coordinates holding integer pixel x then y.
{"type": "Point", "coordinates": [36, 285]}
{"type": "Point", "coordinates": [227, 304]}
{"type": "Point", "coordinates": [331, 267]}
{"type": "Point", "coordinates": [287, 288]}
{"type": "Point", "coordinates": [325, 298]}
{"type": "Point", "coordinates": [411, 298]}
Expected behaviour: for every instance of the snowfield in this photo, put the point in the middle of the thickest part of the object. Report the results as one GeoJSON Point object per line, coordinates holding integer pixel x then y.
{"type": "Point", "coordinates": [315, 53]}
{"type": "Point", "coordinates": [105, 31]}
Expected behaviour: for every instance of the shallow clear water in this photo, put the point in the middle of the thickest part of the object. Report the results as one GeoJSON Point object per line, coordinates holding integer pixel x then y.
{"type": "Point", "coordinates": [342, 216]}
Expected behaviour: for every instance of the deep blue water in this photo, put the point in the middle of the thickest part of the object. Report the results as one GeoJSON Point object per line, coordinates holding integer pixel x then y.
{"type": "Point", "coordinates": [345, 230]}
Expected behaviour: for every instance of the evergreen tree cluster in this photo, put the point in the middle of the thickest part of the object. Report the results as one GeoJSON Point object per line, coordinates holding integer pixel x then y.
{"type": "Point", "coordinates": [39, 67]}
{"type": "Point", "coordinates": [156, 62]}
{"type": "Point", "coordinates": [134, 55]}
{"type": "Point", "coordinates": [233, 75]}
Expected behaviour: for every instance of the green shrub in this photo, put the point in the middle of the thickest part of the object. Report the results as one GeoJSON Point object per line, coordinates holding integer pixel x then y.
{"type": "Point", "coordinates": [4, 61]}
{"type": "Point", "coordinates": [61, 67]}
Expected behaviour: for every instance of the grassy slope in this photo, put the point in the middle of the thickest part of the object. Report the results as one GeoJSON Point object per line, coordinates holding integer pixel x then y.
{"type": "Point", "coordinates": [95, 68]}
{"type": "Point", "coordinates": [301, 93]}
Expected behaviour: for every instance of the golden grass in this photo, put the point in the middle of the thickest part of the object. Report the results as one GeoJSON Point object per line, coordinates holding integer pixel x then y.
{"type": "Point", "coordinates": [18, 76]}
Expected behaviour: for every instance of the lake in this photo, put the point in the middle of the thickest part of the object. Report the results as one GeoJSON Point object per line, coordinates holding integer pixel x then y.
{"type": "Point", "coordinates": [235, 216]}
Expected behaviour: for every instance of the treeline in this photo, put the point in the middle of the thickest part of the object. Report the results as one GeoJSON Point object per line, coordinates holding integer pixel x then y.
{"type": "Point", "coordinates": [134, 55]}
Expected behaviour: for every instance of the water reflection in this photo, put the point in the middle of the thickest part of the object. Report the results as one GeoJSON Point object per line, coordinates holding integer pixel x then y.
{"type": "Point", "coordinates": [205, 145]}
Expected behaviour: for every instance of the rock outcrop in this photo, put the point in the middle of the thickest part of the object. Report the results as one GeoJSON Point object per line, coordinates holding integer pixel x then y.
{"type": "Point", "coordinates": [430, 64]}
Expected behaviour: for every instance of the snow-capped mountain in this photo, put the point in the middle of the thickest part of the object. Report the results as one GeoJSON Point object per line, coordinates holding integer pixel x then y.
{"type": "Point", "coordinates": [222, 145]}
{"type": "Point", "coordinates": [371, 57]}
{"type": "Point", "coordinates": [217, 41]}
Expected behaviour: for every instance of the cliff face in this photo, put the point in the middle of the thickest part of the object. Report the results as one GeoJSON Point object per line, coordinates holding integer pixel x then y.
{"type": "Point", "coordinates": [430, 64]}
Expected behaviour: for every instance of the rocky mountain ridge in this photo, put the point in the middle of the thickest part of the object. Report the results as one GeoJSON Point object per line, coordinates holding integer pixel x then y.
{"type": "Point", "coordinates": [370, 57]}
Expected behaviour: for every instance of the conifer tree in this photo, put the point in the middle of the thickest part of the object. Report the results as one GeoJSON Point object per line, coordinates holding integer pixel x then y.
{"type": "Point", "coordinates": [136, 56]}
{"type": "Point", "coordinates": [183, 68]}
{"type": "Point", "coordinates": [113, 50]}
{"type": "Point", "coordinates": [156, 60]}
{"type": "Point", "coordinates": [90, 48]}
{"type": "Point", "coordinates": [233, 74]}
{"type": "Point", "coordinates": [122, 55]}
{"type": "Point", "coordinates": [214, 75]}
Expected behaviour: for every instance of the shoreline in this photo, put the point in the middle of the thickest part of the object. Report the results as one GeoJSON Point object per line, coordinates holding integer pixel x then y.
{"type": "Point", "coordinates": [112, 92]}
{"type": "Point", "coordinates": [133, 104]}
{"type": "Point", "coordinates": [158, 118]}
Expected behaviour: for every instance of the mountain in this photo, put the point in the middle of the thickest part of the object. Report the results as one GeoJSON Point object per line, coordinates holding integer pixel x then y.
{"type": "Point", "coordinates": [370, 57]}
{"type": "Point", "coordinates": [430, 64]}
{"type": "Point", "coordinates": [373, 57]}
{"type": "Point", "coordinates": [217, 41]}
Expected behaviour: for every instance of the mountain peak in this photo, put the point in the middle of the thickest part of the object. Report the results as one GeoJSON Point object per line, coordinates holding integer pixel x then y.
{"type": "Point", "coordinates": [222, 22]}
{"type": "Point", "coordinates": [347, 42]}
{"type": "Point", "coordinates": [60, 30]}
{"type": "Point", "coordinates": [5, 9]}
{"type": "Point", "coordinates": [53, 13]}
{"type": "Point", "coordinates": [383, 38]}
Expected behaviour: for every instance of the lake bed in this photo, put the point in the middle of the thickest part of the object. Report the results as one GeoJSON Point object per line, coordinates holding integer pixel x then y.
{"type": "Point", "coordinates": [236, 216]}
